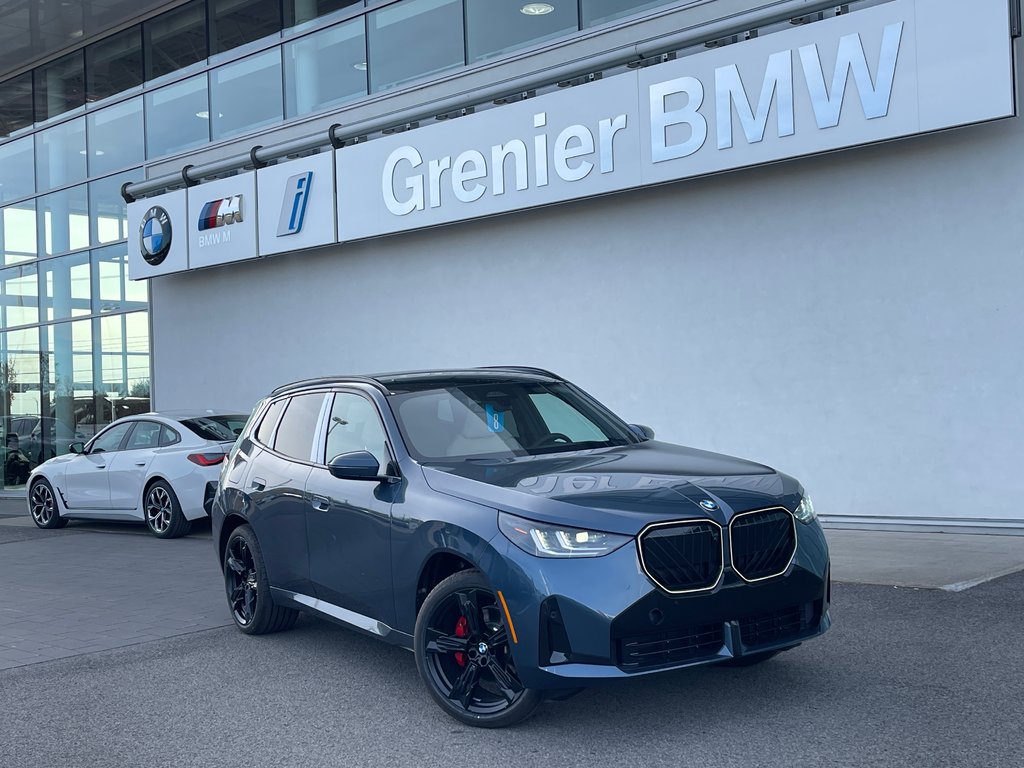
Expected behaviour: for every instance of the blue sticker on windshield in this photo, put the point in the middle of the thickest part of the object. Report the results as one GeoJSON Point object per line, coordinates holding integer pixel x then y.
{"type": "Point", "coordinates": [495, 419]}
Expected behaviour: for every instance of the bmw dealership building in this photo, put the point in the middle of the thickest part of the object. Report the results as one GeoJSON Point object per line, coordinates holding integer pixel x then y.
{"type": "Point", "coordinates": [781, 229]}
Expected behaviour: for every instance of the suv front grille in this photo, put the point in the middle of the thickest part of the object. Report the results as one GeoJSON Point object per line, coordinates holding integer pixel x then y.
{"type": "Point", "coordinates": [683, 557]}
{"type": "Point", "coordinates": [674, 647]}
{"type": "Point", "coordinates": [777, 626]}
{"type": "Point", "coordinates": [763, 543]}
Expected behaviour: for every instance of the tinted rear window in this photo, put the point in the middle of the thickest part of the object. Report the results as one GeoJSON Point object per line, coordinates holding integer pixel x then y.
{"type": "Point", "coordinates": [222, 428]}
{"type": "Point", "coordinates": [295, 435]}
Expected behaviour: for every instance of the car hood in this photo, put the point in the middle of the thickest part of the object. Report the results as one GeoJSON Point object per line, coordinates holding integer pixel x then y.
{"type": "Point", "coordinates": [619, 490]}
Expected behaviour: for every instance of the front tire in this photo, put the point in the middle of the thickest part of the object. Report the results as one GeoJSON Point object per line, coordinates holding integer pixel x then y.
{"type": "Point", "coordinates": [464, 655]}
{"type": "Point", "coordinates": [245, 579]}
{"type": "Point", "coordinates": [164, 517]}
{"type": "Point", "coordinates": [42, 505]}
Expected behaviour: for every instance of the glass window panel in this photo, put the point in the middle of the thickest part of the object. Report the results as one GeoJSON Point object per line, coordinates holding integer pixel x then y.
{"type": "Point", "coordinates": [116, 137]}
{"type": "Point", "coordinates": [175, 39]}
{"type": "Point", "coordinates": [19, 296]}
{"type": "Point", "coordinates": [64, 220]}
{"type": "Point", "coordinates": [108, 210]}
{"type": "Point", "coordinates": [600, 11]}
{"type": "Point", "coordinates": [18, 234]}
{"type": "Point", "coordinates": [124, 366]}
{"type": "Point", "coordinates": [114, 64]}
{"type": "Point", "coordinates": [66, 392]}
{"type": "Point", "coordinates": [19, 400]}
{"type": "Point", "coordinates": [17, 169]}
{"type": "Point", "coordinates": [60, 155]}
{"type": "Point", "coordinates": [298, 12]}
{"type": "Point", "coordinates": [499, 26]}
{"type": "Point", "coordinates": [60, 86]}
{"type": "Point", "coordinates": [237, 22]}
{"type": "Point", "coordinates": [246, 94]}
{"type": "Point", "coordinates": [325, 68]}
{"type": "Point", "coordinates": [177, 117]}
{"type": "Point", "coordinates": [297, 432]}
{"type": "Point", "coordinates": [66, 287]}
{"type": "Point", "coordinates": [16, 109]}
{"type": "Point", "coordinates": [112, 291]}
{"type": "Point", "coordinates": [413, 39]}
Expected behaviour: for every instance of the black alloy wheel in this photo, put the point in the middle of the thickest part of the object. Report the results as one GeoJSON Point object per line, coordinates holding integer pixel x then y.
{"type": "Point", "coordinates": [464, 654]}
{"type": "Point", "coordinates": [163, 512]}
{"type": "Point", "coordinates": [248, 590]}
{"type": "Point", "coordinates": [42, 504]}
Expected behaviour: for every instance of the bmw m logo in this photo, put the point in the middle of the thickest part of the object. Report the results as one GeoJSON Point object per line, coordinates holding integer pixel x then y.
{"type": "Point", "coordinates": [219, 213]}
{"type": "Point", "coordinates": [155, 235]}
{"type": "Point", "coordinates": [709, 505]}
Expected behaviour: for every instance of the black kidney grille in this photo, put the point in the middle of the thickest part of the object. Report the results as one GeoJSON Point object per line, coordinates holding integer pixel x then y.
{"type": "Point", "coordinates": [674, 647]}
{"type": "Point", "coordinates": [683, 557]}
{"type": "Point", "coordinates": [763, 543]}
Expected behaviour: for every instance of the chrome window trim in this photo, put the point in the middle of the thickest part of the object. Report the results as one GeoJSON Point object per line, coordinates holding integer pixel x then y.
{"type": "Point", "coordinates": [721, 561]}
{"type": "Point", "coordinates": [792, 556]}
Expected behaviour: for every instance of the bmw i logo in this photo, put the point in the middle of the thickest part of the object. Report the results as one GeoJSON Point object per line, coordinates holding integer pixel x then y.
{"type": "Point", "coordinates": [709, 505]}
{"type": "Point", "coordinates": [155, 235]}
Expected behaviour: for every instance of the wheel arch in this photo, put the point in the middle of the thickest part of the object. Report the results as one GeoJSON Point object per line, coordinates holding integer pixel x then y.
{"type": "Point", "coordinates": [231, 522]}
{"type": "Point", "coordinates": [438, 566]}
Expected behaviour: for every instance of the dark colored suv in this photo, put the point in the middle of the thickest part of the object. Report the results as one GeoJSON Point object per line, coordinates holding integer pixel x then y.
{"type": "Point", "coordinates": [519, 537]}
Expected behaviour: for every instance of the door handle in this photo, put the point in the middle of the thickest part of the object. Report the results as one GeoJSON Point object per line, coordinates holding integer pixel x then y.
{"type": "Point", "coordinates": [101, 466]}
{"type": "Point", "coordinates": [141, 463]}
{"type": "Point", "coordinates": [320, 504]}
{"type": "Point", "coordinates": [258, 483]}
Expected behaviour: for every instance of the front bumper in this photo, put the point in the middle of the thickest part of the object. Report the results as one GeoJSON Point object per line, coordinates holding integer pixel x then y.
{"type": "Point", "coordinates": [584, 620]}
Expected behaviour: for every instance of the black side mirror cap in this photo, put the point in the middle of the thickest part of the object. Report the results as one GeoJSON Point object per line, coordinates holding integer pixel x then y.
{"type": "Point", "coordinates": [642, 431]}
{"type": "Point", "coordinates": [357, 465]}
{"type": "Point", "coordinates": [77, 447]}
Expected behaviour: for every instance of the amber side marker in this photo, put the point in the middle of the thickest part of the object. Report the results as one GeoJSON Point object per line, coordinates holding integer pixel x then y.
{"type": "Point", "coordinates": [508, 617]}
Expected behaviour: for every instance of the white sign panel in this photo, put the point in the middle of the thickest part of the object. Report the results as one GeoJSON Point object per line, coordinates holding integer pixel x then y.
{"type": "Point", "coordinates": [296, 208]}
{"type": "Point", "coordinates": [894, 70]}
{"type": "Point", "coordinates": [222, 221]}
{"type": "Point", "coordinates": [157, 236]}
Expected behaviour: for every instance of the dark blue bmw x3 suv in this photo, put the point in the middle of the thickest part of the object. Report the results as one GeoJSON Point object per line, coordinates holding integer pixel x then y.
{"type": "Point", "coordinates": [519, 537]}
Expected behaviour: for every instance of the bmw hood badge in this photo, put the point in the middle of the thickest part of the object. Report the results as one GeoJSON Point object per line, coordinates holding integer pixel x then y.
{"type": "Point", "coordinates": [709, 505]}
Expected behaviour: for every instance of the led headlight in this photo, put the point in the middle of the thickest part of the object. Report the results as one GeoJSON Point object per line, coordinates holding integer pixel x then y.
{"type": "Point", "coordinates": [805, 511]}
{"type": "Point", "coordinates": [545, 540]}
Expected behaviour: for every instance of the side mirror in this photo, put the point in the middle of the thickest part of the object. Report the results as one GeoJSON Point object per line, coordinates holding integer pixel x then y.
{"type": "Point", "coordinates": [641, 431]}
{"type": "Point", "coordinates": [357, 465]}
{"type": "Point", "coordinates": [78, 447]}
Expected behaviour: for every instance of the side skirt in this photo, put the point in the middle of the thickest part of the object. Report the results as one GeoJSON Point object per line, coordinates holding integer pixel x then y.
{"type": "Point", "coordinates": [342, 616]}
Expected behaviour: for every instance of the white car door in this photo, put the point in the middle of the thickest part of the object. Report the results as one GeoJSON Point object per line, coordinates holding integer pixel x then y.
{"type": "Point", "coordinates": [128, 468]}
{"type": "Point", "coordinates": [86, 482]}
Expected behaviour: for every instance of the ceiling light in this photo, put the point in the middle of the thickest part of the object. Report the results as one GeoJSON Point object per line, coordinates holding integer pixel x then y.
{"type": "Point", "coordinates": [361, 66]}
{"type": "Point", "coordinates": [537, 9]}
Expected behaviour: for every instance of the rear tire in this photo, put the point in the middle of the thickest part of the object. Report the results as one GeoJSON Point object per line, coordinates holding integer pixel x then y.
{"type": "Point", "coordinates": [42, 505]}
{"type": "Point", "coordinates": [248, 590]}
{"type": "Point", "coordinates": [164, 517]}
{"type": "Point", "coordinates": [464, 655]}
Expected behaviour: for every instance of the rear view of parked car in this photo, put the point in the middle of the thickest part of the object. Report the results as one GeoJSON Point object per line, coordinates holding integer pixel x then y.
{"type": "Point", "coordinates": [160, 468]}
{"type": "Point", "coordinates": [518, 536]}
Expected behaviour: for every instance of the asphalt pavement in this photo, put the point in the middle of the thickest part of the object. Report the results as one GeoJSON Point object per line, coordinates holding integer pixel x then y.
{"type": "Point", "coordinates": [906, 677]}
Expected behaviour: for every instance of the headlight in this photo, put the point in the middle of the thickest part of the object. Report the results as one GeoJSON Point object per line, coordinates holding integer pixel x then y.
{"type": "Point", "coordinates": [805, 512]}
{"type": "Point", "coordinates": [544, 540]}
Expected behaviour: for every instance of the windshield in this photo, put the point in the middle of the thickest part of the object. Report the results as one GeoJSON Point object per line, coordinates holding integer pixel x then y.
{"type": "Point", "coordinates": [503, 419]}
{"type": "Point", "coordinates": [220, 428]}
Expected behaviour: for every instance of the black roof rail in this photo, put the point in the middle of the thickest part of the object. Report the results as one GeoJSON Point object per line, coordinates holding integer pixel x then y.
{"type": "Point", "coordinates": [328, 381]}
{"type": "Point", "coordinates": [520, 369]}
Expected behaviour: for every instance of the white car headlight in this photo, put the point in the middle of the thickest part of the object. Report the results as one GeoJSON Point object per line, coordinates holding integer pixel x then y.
{"type": "Point", "coordinates": [546, 540]}
{"type": "Point", "coordinates": [805, 511]}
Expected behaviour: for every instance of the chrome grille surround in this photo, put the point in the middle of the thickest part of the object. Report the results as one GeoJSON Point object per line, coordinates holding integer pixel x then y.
{"type": "Point", "coordinates": [683, 523]}
{"type": "Point", "coordinates": [788, 560]}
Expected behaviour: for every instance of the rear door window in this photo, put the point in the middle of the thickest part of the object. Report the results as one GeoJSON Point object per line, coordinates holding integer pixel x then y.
{"type": "Point", "coordinates": [297, 432]}
{"type": "Point", "coordinates": [266, 429]}
{"type": "Point", "coordinates": [145, 435]}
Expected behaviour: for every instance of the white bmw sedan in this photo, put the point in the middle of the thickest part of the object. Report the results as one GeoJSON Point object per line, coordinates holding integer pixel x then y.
{"type": "Point", "coordinates": [161, 468]}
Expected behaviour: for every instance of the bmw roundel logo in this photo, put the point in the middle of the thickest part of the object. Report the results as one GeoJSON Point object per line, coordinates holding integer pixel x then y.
{"type": "Point", "coordinates": [155, 235]}
{"type": "Point", "coordinates": [709, 505]}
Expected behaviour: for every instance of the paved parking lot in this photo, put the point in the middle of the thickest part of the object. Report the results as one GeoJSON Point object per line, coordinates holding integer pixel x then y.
{"type": "Point", "coordinates": [907, 677]}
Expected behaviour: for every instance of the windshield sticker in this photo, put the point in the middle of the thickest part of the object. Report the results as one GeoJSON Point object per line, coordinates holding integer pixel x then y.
{"type": "Point", "coordinates": [495, 419]}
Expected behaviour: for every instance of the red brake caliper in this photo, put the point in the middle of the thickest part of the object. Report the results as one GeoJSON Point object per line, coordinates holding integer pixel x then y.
{"type": "Point", "coordinates": [461, 630]}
